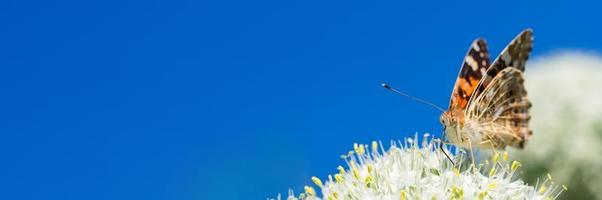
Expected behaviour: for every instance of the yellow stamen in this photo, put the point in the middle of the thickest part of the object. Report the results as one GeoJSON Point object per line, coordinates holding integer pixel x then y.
{"type": "Point", "coordinates": [492, 172]}
{"type": "Point", "coordinates": [515, 165]}
{"type": "Point", "coordinates": [542, 189]}
{"type": "Point", "coordinates": [310, 190]}
{"type": "Point", "coordinates": [403, 196]}
{"type": "Point", "coordinates": [368, 181]}
{"type": "Point", "coordinates": [457, 193]}
{"type": "Point", "coordinates": [341, 169]}
{"type": "Point", "coordinates": [482, 195]}
{"type": "Point", "coordinates": [338, 178]}
{"type": "Point", "coordinates": [316, 181]}
{"type": "Point", "coordinates": [374, 146]}
{"type": "Point", "coordinates": [360, 151]}
{"type": "Point", "coordinates": [492, 185]}
{"type": "Point", "coordinates": [495, 157]}
{"type": "Point", "coordinates": [356, 173]}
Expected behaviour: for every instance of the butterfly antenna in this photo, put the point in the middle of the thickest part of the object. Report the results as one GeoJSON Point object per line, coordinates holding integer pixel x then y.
{"type": "Point", "coordinates": [419, 100]}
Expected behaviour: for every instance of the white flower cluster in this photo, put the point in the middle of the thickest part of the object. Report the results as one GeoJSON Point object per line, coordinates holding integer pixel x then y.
{"type": "Point", "coordinates": [409, 170]}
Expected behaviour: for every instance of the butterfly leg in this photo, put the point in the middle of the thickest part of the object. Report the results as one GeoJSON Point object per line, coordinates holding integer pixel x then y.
{"type": "Point", "coordinates": [471, 152]}
{"type": "Point", "coordinates": [495, 152]}
{"type": "Point", "coordinates": [492, 146]}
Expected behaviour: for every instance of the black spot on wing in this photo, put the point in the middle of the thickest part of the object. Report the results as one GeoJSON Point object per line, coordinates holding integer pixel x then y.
{"type": "Point", "coordinates": [475, 60]}
{"type": "Point", "coordinates": [514, 55]}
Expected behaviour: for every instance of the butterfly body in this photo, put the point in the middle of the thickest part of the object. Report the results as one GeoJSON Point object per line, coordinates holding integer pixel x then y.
{"type": "Point", "coordinates": [489, 107]}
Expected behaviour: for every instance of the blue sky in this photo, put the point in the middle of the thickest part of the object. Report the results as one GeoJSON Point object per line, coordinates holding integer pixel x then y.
{"type": "Point", "coordinates": [232, 99]}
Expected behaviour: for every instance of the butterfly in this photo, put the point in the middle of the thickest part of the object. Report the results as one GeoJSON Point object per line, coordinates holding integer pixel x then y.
{"type": "Point", "coordinates": [489, 107]}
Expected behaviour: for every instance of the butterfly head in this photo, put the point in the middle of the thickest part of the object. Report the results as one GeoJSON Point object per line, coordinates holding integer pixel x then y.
{"type": "Point", "coordinates": [452, 122]}
{"type": "Point", "coordinates": [450, 118]}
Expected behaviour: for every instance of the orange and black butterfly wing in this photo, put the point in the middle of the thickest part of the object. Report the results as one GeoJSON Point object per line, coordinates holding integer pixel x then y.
{"type": "Point", "coordinates": [473, 69]}
{"type": "Point", "coordinates": [514, 55]}
{"type": "Point", "coordinates": [500, 102]}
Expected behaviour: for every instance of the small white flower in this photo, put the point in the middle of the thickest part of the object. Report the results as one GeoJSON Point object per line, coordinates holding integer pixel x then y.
{"type": "Point", "coordinates": [409, 170]}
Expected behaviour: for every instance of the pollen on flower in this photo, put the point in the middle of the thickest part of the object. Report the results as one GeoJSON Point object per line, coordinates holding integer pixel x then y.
{"type": "Point", "coordinates": [356, 173]}
{"type": "Point", "coordinates": [374, 146]}
{"type": "Point", "coordinates": [495, 157]}
{"type": "Point", "coordinates": [410, 169]}
{"type": "Point", "coordinates": [542, 189]}
{"type": "Point", "coordinates": [341, 169]}
{"type": "Point", "coordinates": [492, 185]}
{"type": "Point", "coordinates": [482, 195]}
{"type": "Point", "coordinates": [369, 180]}
{"type": "Point", "coordinates": [316, 181]}
{"type": "Point", "coordinates": [492, 172]}
{"type": "Point", "coordinates": [515, 165]}
{"type": "Point", "coordinates": [403, 195]}
{"type": "Point", "coordinates": [338, 178]}
{"type": "Point", "coordinates": [457, 193]}
{"type": "Point", "coordinates": [310, 191]}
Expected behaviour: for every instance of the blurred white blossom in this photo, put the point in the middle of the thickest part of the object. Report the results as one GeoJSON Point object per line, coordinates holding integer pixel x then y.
{"type": "Point", "coordinates": [566, 91]}
{"type": "Point", "coordinates": [409, 170]}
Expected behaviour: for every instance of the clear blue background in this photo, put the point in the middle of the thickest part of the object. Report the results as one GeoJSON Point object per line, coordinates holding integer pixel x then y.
{"type": "Point", "coordinates": [232, 99]}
